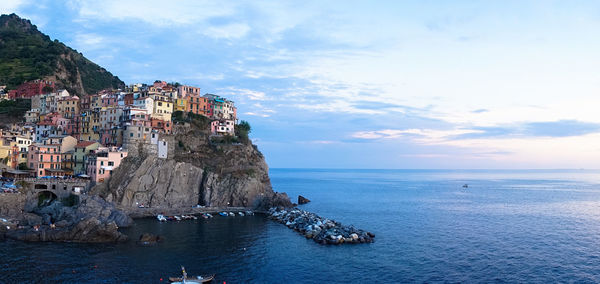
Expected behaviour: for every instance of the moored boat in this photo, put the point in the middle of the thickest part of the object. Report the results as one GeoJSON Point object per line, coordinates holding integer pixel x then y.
{"type": "Point", "coordinates": [161, 218]}
{"type": "Point", "coordinates": [185, 279]}
{"type": "Point", "coordinates": [202, 279]}
{"type": "Point", "coordinates": [224, 214]}
{"type": "Point", "coordinates": [241, 213]}
{"type": "Point", "coordinates": [231, 214]}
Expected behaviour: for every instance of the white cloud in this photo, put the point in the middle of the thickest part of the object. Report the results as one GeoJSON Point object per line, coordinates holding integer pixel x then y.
{"type": "Point", "coordinates": [11, 6]}
{"type": "Point", "coordinates": [245, 93]}
{"type": "Point", "coordinates": [154, 12]}
{"type": "Point", "coordinates": [230, 31]}
{"type": "Point", "coordinates": [257, 114]}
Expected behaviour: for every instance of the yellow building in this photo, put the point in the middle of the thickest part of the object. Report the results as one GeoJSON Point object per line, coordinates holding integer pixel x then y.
{"type": "Point", "coordinates": [181, 105]}
{"type": "Point", "coordinates": [163, 108]}
{"type": "Point", "coordinates": [68, 107]}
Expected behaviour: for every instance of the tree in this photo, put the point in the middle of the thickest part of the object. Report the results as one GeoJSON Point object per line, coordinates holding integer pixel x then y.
{"type": "Point", "coordinates": [242, 130]}
{"type": "Point", "coordinates": [47, 89]}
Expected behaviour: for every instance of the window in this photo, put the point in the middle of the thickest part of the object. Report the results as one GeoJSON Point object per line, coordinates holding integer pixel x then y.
{"type": "Point", "coordinates": [111, 163]}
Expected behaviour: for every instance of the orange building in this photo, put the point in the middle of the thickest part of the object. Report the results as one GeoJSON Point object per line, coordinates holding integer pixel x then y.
{"type": "Point", "coordinates": [198, 105]}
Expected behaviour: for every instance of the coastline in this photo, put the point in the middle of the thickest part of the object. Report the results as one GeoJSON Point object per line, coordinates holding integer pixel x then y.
{"type": "Point", "coordinates": [138, 213]}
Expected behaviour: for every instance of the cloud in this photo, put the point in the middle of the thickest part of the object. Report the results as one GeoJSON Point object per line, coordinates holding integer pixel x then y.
{"type": "Point", "coordinates": [230, 31]}
{"type": "Point", "coordinates": [153, 12]}
{"type": "Point", "coordinates": [560, 128]}
{"type": "Point", "coordinates": [247, 93]}
{"type": "Point", "coordinates": [481, 110]}
{"type": "Point", "coordinates": [11, 6]}
{"type": "Point", "coordinates": [257, 114]}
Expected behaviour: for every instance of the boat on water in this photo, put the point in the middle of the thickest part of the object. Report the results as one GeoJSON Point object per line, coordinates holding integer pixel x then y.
{"type": "Point", "coordinates": [465, 185]}
{"type": "Point", "coordinates": [203, 279]}
{"type": "Point", "coordinates": [178, 218]}
{"type": "Point", "coordinates": [208, 215]}
{"type": "Point", "coordinates": [224, 214]}
{"type": "Point", "coordinates": [161, 218]}
{"type": "Point", "coordinates": [185, 279]}
{"type": "Point", "coordinates": [248, 213]}
{"type": "Point", "coordinates": [241, 213]}
{"type": "Point", "coordinates": [231, 214]}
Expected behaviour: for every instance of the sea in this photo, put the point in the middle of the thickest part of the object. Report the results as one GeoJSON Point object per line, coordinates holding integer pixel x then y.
{"type": "Point", "coordinates": [526, 226]}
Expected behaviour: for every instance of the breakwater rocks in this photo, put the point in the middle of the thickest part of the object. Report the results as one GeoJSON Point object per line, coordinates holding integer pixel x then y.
{"type": "Point", "coordinates": [321, 230]}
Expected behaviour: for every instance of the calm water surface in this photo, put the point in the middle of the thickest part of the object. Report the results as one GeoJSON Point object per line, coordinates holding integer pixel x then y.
{"type": "Point", "coordinates": [508, 226]}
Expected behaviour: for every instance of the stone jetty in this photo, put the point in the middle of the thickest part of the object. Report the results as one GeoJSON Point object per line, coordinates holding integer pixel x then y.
{"type": "Point", "coordinates": [321, 230]}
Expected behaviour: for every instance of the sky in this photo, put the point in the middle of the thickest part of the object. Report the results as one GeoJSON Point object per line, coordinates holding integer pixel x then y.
{"type": "Point", "coordinates": [366, 84]}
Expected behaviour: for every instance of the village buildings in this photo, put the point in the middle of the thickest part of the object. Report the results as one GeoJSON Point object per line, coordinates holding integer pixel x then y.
{"type": "Point", "coordinates": [68, 135]}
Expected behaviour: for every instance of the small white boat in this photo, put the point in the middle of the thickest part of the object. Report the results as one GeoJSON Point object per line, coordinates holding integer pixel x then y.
{"type": "Point", "coordinates": [161, 218]}
{"type": "Point", "coordinates": [209, 215]}
{"type": "Point", "coordinates": [241, 213]}
{"type": "Point", "coordinates": [178, 218]}
{"type": "Point", "coordinates": [231, 214]}
{"type": "Point", "coordinates": [249, 213]}
{"type": "Point", "coordinates": [224, 214]}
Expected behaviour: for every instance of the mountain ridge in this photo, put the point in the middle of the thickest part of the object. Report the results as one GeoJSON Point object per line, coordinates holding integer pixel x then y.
{"type": "Point", "coordinates": [28, 54]}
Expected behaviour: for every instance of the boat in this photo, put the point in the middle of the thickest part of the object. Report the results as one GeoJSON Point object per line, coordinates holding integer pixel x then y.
{"type": "Point", "coordinates": [231, 214]}
{"type": "Point", "coordinates": [161, 218]}
{"type": "Point", "coordinates": [241, 213]}
{"type": "Point", "coordinates": [178, 218]}
{"type": "Point", "coordinates": [209, 215]}
{"type": "Point", "coordinates": [194, 217]}
{"type": "Point", "coordinates": [248, 213]}
{"type": "Point", "coordinates": [224, 214]}
{"type": "Point", "coordinates": [204, 216]}
{"type": "Point", "coordinates": [191, 280]}
{"type": "Point", "coordinates": [465, 185]}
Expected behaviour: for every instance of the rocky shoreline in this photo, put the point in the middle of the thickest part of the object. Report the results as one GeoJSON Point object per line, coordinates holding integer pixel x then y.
{"type": "Point", "coordinates": [321, 230]}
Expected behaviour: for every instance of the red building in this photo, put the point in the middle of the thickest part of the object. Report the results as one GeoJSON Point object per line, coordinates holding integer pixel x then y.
{"type": "Point", "coordinates": [162, 126]}
{"type": "Point", "coordinates": [30, 89]}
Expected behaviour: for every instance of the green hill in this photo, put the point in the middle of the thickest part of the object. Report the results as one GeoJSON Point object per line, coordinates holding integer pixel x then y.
{"type": "Point", "coordinates": [27, 54]}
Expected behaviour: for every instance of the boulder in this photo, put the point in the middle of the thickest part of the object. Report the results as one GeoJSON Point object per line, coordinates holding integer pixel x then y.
{"type": "Point", "coordinates": [302, 200]}
{"type": "Point", "coordinates": [149, 239]}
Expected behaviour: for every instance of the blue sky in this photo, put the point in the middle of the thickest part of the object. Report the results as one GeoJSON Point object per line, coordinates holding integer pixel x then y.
{"type": "Point", "coordinates": [364, 84]}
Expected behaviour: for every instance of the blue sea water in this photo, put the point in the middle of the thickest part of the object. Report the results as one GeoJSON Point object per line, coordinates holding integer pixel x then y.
{"type": "Point", "coordinates": [507, 226]}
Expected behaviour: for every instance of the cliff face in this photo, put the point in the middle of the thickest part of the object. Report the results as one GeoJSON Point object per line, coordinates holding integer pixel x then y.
{"type": "Point", "coordinates": [196, 172]}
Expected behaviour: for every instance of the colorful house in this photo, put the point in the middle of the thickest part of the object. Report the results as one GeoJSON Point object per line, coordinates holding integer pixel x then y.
{"type": "Point", "coordinates": [80, 155]}
{"type": "Point", "coordinates": [103, 161]}
{"type": "Point", "coordinates": [45, 160]}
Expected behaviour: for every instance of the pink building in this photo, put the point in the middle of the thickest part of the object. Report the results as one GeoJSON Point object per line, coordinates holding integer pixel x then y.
{"type": "Point", "coordinates": [222, 127]}
{"type": "Point", "coordinates": [45, 160]}
{"type": "Point", "coordinates": [103, 161]}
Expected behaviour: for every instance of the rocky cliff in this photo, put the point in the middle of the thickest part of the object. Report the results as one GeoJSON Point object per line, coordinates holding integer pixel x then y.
{"type": "Point", "coordinates": [197, 171]}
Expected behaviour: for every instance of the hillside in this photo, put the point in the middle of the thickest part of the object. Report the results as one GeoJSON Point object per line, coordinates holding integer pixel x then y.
{"type": "Point", "coordinates": [27, 54]}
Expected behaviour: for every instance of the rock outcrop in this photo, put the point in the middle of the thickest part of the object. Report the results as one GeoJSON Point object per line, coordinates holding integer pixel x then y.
{"type": "Point", "coordinates": [92, 220]}
{"type": "Point", "coordinates": [89, 230]}
{"type": "Point", "coordinates": [195, 172]}
{"type": "Point", "coordinates": [302, 200]}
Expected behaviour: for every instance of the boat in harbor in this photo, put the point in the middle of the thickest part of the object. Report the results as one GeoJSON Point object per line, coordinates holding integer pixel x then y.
{"type": "Point", "coordinates": [185, 279]}
{"type": "Point", "coordinates": [224, 214]}
{"type": "Point", "coordinates": [232, 214]}
{"type": "Point", "coordinates": [241, 213]}
{"type": "Point", "coordinates": [161, 218]}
